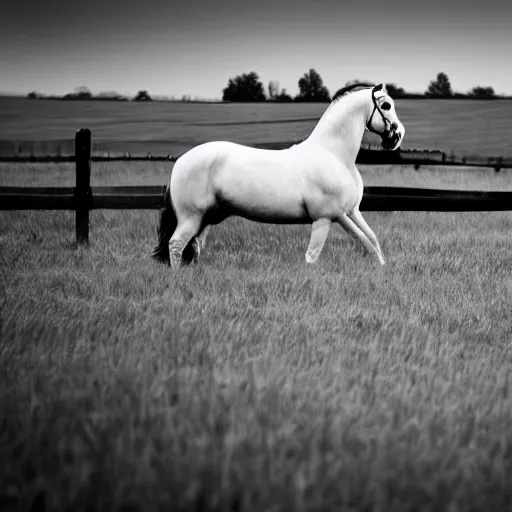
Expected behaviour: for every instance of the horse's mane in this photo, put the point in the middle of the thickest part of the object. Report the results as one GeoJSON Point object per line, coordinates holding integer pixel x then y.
{"type": "Point", "coordinates": [349, 89]}
{"type": "Point", "coordinates": [344, 91]}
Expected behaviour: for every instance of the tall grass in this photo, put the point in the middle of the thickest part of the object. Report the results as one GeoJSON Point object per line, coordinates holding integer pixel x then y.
{"type": "Point", "coordinates": [252, 381]}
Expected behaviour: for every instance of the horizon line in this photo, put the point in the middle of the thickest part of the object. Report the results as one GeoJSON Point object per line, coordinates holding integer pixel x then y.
{"type": "Point", "coordinates": [187, 98]}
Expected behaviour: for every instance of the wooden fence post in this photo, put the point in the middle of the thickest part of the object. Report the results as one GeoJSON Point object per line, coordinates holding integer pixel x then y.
{"type": "Point", "coordinates": [83, 194]}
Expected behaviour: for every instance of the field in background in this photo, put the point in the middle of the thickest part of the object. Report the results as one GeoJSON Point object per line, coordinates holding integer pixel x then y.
{"type": "Point", "coordinates": [462, 126]}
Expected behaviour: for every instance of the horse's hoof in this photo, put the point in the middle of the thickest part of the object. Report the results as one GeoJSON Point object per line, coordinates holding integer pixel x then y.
{"type": "Point", "coordinates": [311, 259]}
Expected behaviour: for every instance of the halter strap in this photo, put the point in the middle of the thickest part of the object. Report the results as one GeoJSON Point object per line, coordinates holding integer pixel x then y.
{"type": "Point", "coordinates": [387, 124]}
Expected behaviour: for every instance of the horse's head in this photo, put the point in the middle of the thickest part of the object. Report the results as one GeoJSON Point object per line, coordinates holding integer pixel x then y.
{"type": "Point", "coordinates": [383, 120]}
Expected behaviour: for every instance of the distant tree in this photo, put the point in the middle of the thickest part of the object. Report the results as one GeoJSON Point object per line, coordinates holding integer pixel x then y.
{"type": "Point", "coordinates": [33, 95]}
{"type": "Point", "coordinates": [440, 87]}
{"type": "Point", "coordinates": [394, 91]}
{"type": "Point", "coordinates": [482, 92]}
{"type": "Point", "coordinates": [81, 93]}
{"type": "Point", "coordinates": [244, 88]}
{"type": "Point", "coordinates": [142, 96]}
{"type": "Point", "coordinates": [312, 88]}
{"type": "Point", "coordinates": [284, 97]}
{"type": "Point", "coordinates": [110, 95]}
{"type": "Point", "coordinates": [273, 89]}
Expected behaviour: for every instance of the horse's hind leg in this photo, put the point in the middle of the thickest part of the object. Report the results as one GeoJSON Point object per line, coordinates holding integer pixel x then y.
{"type": "Point", "coordinates": [201, 240]}
{"type": "Point", "coordinates": [185, 232]}
{"type": "Point", "coordinates": [194, 248]}
{"type": "Point", "coordinates": [190, 252]}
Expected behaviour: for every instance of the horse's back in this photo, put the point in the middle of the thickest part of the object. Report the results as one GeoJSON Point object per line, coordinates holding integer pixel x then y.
{"type": "Point", "coordinates": [262, 185]}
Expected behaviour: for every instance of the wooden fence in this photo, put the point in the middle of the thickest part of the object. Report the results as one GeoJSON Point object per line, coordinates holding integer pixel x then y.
{"type": "Point", "coordinates": [83, 198]}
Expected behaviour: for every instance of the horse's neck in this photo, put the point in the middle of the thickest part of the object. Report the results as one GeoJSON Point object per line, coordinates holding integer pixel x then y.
{"type": "Point", "coordinates": [341, 128]}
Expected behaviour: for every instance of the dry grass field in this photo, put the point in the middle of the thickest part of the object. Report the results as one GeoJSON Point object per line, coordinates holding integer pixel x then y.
{"type": "Point", "coordinates": [252, 381]}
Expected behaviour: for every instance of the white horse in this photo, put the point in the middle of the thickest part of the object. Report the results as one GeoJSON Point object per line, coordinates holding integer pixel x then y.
{"type": "Point", "coordinates": [314, 182]}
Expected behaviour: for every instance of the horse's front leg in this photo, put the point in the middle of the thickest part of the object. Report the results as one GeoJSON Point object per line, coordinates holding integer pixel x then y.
{"type": "Point", "coordinates": [352, 229]}
{"type": "Point", "coordinates": [359, 221]}
{"type": "Point", "coordinates": [319, 232]}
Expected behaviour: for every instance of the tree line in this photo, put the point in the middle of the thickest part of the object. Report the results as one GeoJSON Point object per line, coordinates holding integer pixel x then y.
{"type": "Point", "coordinates": [247, 87]}
{"type": "Point", "coordinates": [83, 93]}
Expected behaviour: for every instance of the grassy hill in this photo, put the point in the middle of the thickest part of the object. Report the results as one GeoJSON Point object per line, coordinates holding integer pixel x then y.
{"type": "Point", "coordinates": [462, 126]}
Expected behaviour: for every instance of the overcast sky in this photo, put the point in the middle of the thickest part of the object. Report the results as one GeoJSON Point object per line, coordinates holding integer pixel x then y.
{"type": "Point", "coordinates": [193, 47]}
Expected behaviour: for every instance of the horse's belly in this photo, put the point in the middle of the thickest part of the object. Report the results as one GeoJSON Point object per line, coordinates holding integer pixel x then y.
{"type": "Point", "coordinates": [292, 213]}
{"type": "Point", "coordinates": [264, 196]}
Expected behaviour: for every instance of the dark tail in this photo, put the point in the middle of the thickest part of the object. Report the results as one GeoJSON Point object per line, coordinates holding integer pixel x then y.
{"type": "Point", "coordinates": [166, 227]}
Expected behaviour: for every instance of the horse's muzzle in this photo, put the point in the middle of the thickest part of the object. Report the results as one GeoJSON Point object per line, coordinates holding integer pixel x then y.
{"type": "Point", "coordinates": [391, 140]}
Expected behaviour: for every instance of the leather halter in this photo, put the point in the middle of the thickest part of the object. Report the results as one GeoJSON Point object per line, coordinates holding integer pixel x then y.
{"type": "Point", "coordinates": [387, 124]}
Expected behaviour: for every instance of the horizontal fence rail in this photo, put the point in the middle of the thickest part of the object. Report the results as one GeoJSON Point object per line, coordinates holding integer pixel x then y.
{"type": "Point", "coordinates": [64, 198]}
{"type": "Point", "coordinates": [417, 199]}
{"type": "Point", "coordinates": [83, 198]}
{"type": "Point", "coordinates": [367, 155]}
{"type": "Point", "coordinates": [151, 198]}
{"type": "Point", "coordinates": [108, 157]}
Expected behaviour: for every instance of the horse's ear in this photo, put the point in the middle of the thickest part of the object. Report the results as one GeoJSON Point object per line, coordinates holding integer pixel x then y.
{"type": "Point", "coordinates": [380, 87]}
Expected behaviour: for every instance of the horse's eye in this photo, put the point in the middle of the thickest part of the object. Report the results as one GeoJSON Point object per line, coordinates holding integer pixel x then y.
{"type": "Point", "coordinates": [385, 106]}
